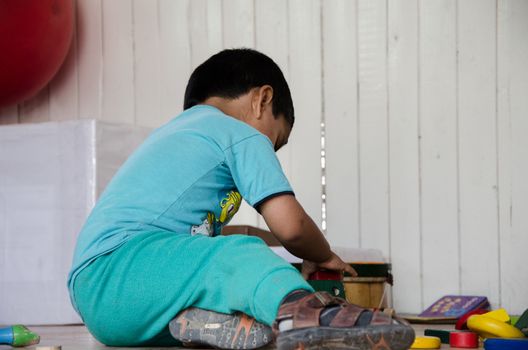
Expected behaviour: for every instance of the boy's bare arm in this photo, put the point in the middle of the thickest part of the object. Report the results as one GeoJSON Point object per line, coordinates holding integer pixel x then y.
{"type": "Point", "coordinates": [297, 232]}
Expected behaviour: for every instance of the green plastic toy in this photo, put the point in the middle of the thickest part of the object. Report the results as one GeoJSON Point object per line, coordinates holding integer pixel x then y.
{"type": "Point", "coordinates": [17, 336]}
{"type": "Point", "coordinates": [522, 323]}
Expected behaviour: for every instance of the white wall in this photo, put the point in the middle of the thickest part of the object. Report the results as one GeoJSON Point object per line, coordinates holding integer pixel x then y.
{"type": "Point", "coordinates": [424, 103]}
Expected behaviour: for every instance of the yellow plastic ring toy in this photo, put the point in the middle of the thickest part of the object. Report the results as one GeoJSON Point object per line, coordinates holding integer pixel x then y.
{"type": "Point", "coordinates": [491, 328]}
{"type": "Point", "coordinates": [426, 343]}
{"type": "Point", "coordinates": [499, 315]}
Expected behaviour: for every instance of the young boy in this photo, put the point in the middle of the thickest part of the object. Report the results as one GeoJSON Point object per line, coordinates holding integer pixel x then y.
{"type": "Point", "coordinates": [150, 267]}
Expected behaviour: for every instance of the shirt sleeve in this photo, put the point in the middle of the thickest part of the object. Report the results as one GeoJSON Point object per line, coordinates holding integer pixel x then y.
{"type": "Point", "coordinates": [256, 171]}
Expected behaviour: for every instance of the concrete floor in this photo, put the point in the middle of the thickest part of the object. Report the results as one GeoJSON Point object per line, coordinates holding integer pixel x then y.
{"type": "Point", "coordinates": [78, 338]}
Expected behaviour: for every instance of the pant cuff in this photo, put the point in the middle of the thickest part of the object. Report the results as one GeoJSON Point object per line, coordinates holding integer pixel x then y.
{"type": "Point", "coordinates": [273, 289]}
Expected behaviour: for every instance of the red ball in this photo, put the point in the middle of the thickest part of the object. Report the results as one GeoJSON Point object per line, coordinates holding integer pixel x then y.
{"type": "Point", "coordinates": [35, 36]}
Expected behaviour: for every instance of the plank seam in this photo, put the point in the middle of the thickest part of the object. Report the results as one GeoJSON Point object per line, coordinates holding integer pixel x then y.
{"type": "Point", "coordinates": [419, 127]}
{"type": "Point", "coordinates": [134, 59]}
{"type": "Point", "coordinates": [497, 154]}
{"type": "Point", "coordinates": [387, 91]}
{"type": "Point", "coordinates": [323, 121]}
{"type": "Point", "coordinates": [254, 4]}
{"type": "Point", "coordinates": [457, 145]}
{"type": "Point", "coordinates": [358, 124]}
{"type": "Point", "coordinates": [76, 48]}
{"type": "Point", "coordinates": [101, 81]}
{"type": "Point", "coordinates": [189, 34]}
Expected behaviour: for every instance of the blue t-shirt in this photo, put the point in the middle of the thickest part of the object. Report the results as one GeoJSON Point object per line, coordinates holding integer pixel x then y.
{"type": "Point", "coordinates": [188, 177]}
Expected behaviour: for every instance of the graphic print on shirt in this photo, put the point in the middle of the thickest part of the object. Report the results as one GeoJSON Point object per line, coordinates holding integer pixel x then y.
{"type": "Point", "coordinates": [211, 225]}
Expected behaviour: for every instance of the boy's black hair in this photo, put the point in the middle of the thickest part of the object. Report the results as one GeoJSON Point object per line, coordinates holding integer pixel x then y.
{"type": "Point", "coordinates": [232, 73]}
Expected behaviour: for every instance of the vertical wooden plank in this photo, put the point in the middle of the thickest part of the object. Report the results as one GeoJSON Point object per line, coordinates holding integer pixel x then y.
{"type": "Point", "coordinates": [147, 70]}
{"type": "Point", "coordinates": [438, 131]}
{"type": "Point", "coordinates": [239, 31]}
{"type": "Point", "coordinates": [304, 19]}
{"type": "Point", "coordinates": [514, 289]}
{"type": "Point", "coordinates": [215, 33]}
{"type": "Point", "coordinates": [205, 23]}
{"type": "Point", "coordinates": [64, 94]}
{"type": "Point", "coordinates": [238, 23]}
{"type": "Point", "coordinates": [340, 114]}
{"type": "Point", "coordinates": [479, 271]}
{"type": "Point", "coordinates": [90, 58]}
{"type": "Point", "coordinates": [404, 154]}
{"type": "Point", "coordinates": [118, 62]}
{"type": "Point", "coordinates": [513, 167]}
{"type": "Point", "coordinates": [36, 109]}
{"type": "Point", "coordinates": [199, 43]}
{"type": "Point", "coordinates": [271, 33]}
{"type": "Point", "coordinates": [174, 56]}
{"type": "Point", "coordinates": [9, 115]}
{"type": "Point", "coordinates": [504, 145]}
{"type": "Point", "coordinates": [373, 154]}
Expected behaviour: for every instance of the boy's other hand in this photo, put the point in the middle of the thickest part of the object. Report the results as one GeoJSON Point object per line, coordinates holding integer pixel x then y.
{"type": "Point", "coordinates": [333, 263]}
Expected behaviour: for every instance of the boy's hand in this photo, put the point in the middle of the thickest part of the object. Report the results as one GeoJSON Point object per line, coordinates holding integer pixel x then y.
{"type": "Point", "coordinates": [333, 263]}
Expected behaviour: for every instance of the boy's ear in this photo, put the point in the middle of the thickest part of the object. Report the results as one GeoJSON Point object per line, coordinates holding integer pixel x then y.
{"type": "Point", "coordinates": [264, 97]}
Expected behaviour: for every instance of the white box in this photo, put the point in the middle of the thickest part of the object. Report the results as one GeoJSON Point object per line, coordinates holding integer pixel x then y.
{"type": "Point", "coordinates": [50, 177]}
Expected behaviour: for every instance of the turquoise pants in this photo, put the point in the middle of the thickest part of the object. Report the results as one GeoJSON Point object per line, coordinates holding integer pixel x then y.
{"type": "Point", "coordinates": [128, 297]}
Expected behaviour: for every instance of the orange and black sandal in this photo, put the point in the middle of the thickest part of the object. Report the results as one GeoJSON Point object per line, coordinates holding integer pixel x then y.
{"type": "Point", "coordinates": [196, 326]}
{"type": "Point", "coordinates": [322, 321]}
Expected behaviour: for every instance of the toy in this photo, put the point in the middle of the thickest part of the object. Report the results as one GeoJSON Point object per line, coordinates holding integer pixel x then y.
{"type": "Point", "coordinates": [463, 340]}
{"type": "Point", "coordinates": [522, 323]}
{"type": "Point", "coordinates": [36, 37]}
{"type": "Point", "coordinates": [426, 343]}
{"type": "Point", "coordinates": [509, 344]}
{"type": "Point", "coordinates": [18, 335]}
{"type": "Point", "coordinates": [328, 281]}
{"type": "Point", "coordinates": [449, 309]}
{"type": "Point", "coordinates": [499, 315]}
{"type": "Point", "coordinates": [443, 335]}
{"type": "Point", "coordinates": [487, 327]}
{"type": "Point", "coordinates": [462, 321]}
{"type": "Point", "coordinates": [371, 286]}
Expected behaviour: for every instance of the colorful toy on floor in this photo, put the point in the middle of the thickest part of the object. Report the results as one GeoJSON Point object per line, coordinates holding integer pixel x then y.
{"type": "Point", "coordinates": [505, 344]}
{"type": "Point", "coordinates": [493, 325]}
{"type": "Point", "coordinates": [522, 323]}
{"type": "Point", "coordinates": [328, 281]}
{"type": "Point", "coordinates": [370, 288]}
{"type": "Point", "coordinates": [18, 335]}
{"type": "Point", "coordinates": [462, 321]}
{"type": "Point", "coordinates": [499, 315]}
{"type": "Point", "coordinates": [443, 335]}
{"type": "Point", "coordinates": [454, 306]}
{"type": "Point", "coordinates": [449, 309]}
{"type": "Point", "coordinates": [426, 343]}
{"type": "Point", "coordinates": [463, 340]}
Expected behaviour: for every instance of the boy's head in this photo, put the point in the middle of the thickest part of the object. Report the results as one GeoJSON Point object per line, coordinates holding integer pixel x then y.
{"type": "Point", "coordinates": [247, 85]}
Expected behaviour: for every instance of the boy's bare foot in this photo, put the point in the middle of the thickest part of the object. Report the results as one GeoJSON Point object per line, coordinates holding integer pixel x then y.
{"type": "Point", "coordinates": [203, 327]}
{"type": "Point", "coordinates": [321, 321]}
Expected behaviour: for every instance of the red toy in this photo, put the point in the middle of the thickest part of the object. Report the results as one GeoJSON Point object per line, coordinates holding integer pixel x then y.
{"type": "Point", "coordinates": [325, 275]}
{"type": "Point", "coordinates": [463, 340]}
{"type": "Point", "coordinates": [36, 36]}
{"type": "Point", "coordinates": [462, 321]}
